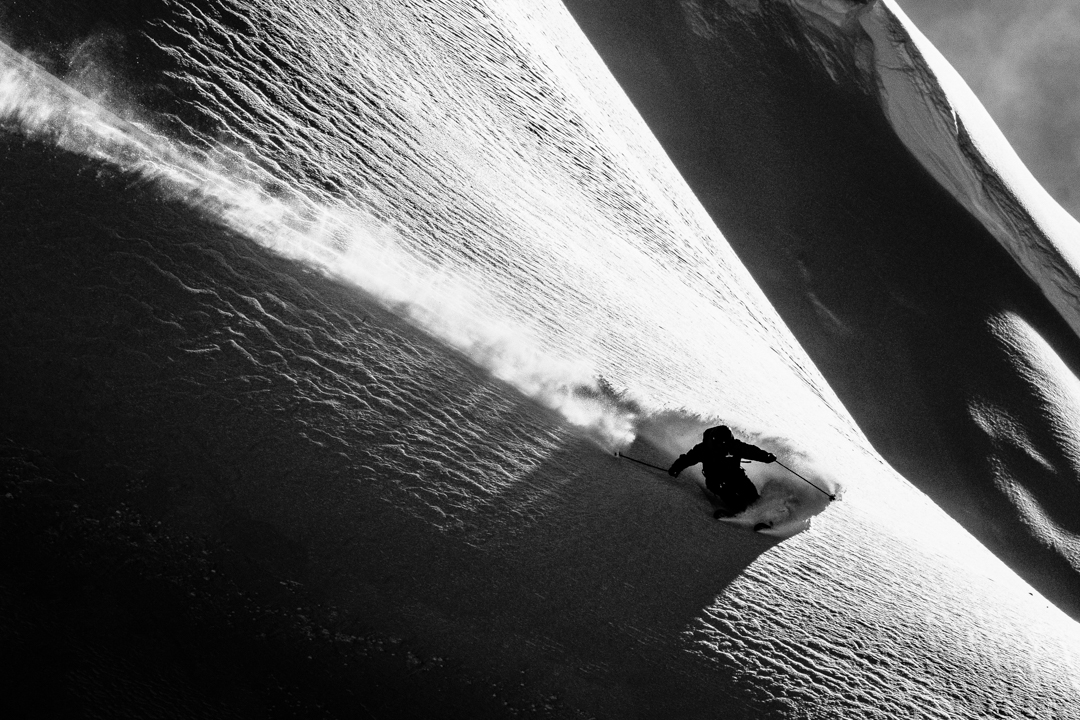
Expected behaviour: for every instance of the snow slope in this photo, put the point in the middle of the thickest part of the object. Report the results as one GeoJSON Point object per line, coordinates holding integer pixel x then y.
{"type": "Point", "coordinates": [376, 323]}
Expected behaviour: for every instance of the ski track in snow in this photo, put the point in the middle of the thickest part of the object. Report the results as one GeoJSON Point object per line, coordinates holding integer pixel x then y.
{"type": "Point", "coordinates": [506, 200]}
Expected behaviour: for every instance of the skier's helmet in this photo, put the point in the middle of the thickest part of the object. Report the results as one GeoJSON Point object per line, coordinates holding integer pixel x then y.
{"type": "Point", "coordinates": [720, 433]}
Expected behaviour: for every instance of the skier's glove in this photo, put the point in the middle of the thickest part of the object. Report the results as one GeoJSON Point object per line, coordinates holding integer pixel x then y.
{"type": "Point", "coordinates": [673, 472]}
{"type": "Point", "coordinates": [770, 458]}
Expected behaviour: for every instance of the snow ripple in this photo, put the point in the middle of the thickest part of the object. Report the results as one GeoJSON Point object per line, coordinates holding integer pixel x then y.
{"type": "Point", "coordinates": [845, 648]}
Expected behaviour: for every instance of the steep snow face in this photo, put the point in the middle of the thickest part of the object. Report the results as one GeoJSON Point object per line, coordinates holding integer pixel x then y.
{"type": "Point", "coordinates": [888, 222]}
{"type": "Point", "coordinates": [473, 170]}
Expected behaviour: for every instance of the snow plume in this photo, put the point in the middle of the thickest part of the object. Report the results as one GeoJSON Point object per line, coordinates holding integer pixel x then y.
{"type": "Point", "coordinates": [342, 242]}
{"type": "Point", "coordinates": [794, 489]}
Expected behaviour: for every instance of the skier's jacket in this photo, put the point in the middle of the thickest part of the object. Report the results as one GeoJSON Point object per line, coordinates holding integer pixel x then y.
{"type": "Point", "coordinates": [721, 464]}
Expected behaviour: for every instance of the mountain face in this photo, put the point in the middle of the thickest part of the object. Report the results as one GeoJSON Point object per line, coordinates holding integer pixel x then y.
{"type": "Point", "coordinates": [323, 320]}
{"type": "Point", "coordinates": [927, 275]}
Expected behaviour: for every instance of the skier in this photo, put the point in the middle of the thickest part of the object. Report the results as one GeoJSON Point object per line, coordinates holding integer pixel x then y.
{"type": "Point", "coordinates": [721, 455]}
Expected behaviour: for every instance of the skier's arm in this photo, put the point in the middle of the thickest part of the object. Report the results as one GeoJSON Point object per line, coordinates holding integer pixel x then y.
{"type": "Point", "coordinates": [752, 452]}
{"type": "Point", "coordinates": [690, 457]}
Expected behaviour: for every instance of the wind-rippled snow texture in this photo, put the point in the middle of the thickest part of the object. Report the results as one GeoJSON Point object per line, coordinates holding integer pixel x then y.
{"type": "Point", "coordinates": [356, 165]}
{"type": "Point", "coordinates": [170, 318]}
{"type": "Point", "coordinates": [346, 243]}
{"type": "Point", "coordinates": [573, 235]}
{"type": "Point", "coordinates": [509, 280]}
{"type": "Point", "coordinates": [572, 230]}
{"type": "Point", "coordinates": [844, 649]}
{"type": "Point", "coordinates": [303, 401]}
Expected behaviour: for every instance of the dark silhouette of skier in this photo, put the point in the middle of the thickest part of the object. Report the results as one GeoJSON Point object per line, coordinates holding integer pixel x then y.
{"type": "Point", "coordinates": [721, 456]}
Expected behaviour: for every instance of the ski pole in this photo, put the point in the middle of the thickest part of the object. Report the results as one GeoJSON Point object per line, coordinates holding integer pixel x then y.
{"type": "Point", "coordinates": [640, 462]}
{"type": "Point", "coordinates": [831, 497]}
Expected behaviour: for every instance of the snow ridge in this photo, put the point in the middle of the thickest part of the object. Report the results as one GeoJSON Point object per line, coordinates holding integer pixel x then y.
{"type": "Point", "coordinates": [940, 120]}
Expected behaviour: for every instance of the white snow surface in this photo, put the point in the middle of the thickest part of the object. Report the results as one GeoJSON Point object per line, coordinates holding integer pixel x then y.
{"type": "Point", "coordinates": [497, 190]}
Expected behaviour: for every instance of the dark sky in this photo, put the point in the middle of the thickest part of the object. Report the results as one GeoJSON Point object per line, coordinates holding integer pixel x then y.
{"type": "Point", "coordinates": [1022, 58]}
